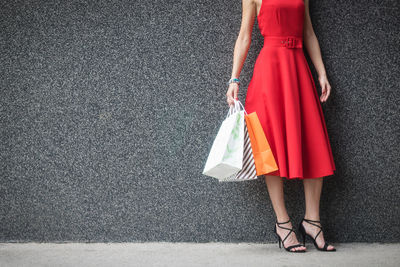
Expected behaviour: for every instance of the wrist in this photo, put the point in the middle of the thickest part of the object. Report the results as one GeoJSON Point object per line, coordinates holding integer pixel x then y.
{"type": "Point", "coordinates": [233, 80]}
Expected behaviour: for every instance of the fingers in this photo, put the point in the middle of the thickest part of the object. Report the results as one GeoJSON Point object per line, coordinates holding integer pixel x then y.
{"type": "Point", "coordinates": [235, 93]}
{"type": "Point", "coordinates": [322, 98]}
{"type": "Point", "coordinates": [326, 89]}
{"type": "Point", "coordinates": [328, 92]}
{"type": "Point", "coordinates": [232, 94]}
{"type": "Point", "coordinates": [230, 101]}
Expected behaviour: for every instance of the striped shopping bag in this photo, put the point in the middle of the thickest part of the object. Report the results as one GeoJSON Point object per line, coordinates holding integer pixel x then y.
{"type": "Point", "coordinates": [248, 171]}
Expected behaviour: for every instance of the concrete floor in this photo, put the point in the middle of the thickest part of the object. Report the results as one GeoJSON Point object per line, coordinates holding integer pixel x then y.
{"type": "Point", "coordinates": [193, 254]}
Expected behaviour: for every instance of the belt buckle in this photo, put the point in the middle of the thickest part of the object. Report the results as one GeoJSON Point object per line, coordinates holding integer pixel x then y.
{"type": "Point", "coordinates": [290, 42]}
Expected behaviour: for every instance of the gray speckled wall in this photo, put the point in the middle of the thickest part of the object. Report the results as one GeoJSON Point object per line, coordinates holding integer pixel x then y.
{"type": "Point", "coordinates": [109, 109]}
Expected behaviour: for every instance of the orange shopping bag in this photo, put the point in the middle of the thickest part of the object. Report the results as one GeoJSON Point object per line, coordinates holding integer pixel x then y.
{"type": "Point", "coordinates": [262, 153]}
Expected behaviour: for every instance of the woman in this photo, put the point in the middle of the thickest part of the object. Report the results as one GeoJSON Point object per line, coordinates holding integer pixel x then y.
{"type": "Point", "coordinates": [283, 94]}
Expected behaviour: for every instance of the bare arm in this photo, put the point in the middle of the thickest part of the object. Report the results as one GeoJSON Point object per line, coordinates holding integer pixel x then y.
{"type": "Point", "coordinates": [242, 45]}
{"type": "Point", "coordinates": [314, 51]}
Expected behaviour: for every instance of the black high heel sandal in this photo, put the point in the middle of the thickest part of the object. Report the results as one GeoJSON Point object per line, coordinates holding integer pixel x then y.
{"type": "Point", "coordinates": [304, 234]}
{"type": "Point", "coordinates": [281, 241]}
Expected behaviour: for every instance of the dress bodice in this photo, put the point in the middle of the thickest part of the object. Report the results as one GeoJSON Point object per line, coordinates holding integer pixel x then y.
{"type": "Point", "coordinates": [281, 18]}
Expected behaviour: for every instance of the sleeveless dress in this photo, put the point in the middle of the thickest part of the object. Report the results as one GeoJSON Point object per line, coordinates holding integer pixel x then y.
{"type": "Point", "coordinates": [283, 94]}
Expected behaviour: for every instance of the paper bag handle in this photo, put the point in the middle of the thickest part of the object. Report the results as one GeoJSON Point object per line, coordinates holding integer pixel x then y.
{"type": "Point", "coordinates": [235, 108]}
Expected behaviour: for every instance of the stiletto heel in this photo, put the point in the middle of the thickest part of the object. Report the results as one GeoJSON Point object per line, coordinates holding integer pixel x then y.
{"type": "Point", "coordinates": [304, 234]}
{"type": "Point", "coordinates": [279, 239]}
{"type": "Point", "coordinates": [282, 241]}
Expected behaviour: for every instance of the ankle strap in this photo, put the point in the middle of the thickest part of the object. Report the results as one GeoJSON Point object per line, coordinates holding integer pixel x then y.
{"type": "Point", "coordinates": [307, 220]}
{"type": "Point", "coordinates": [278, 223]}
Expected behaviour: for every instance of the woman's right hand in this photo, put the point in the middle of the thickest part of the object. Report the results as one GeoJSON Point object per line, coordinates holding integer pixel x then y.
{"type": "Point", "coordinates": [232, 93]}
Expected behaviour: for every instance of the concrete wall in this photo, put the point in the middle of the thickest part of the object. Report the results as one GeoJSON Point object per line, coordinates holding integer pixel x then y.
{"type": "Point", "coordinates": [108, 110]}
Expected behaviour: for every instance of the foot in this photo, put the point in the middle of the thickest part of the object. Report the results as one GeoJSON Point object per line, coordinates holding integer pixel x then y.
{"type": "Point", "coordinates": [313, 231]}
{"type": "Point", "coordinates": [291, 239]}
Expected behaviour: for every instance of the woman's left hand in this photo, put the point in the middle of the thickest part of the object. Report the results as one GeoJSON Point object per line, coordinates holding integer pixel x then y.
{"type": "Point", "coordinates": [325, 86]}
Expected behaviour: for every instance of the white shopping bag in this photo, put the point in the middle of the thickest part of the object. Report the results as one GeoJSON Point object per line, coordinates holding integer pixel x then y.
{"type": "Point", "coordinates": [248, 171]}
{"type": "Point", "coordinates": [226, 155]}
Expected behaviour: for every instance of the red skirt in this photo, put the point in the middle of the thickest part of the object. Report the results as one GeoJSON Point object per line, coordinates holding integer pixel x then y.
{"type": "Point", "coordinates": [283, 93]}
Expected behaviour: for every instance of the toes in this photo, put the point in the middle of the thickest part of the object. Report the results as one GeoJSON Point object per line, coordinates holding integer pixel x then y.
{"type": "Point", "coordinates": [298, 248]}
{"type": "Point", "coordinates": [330, 247]}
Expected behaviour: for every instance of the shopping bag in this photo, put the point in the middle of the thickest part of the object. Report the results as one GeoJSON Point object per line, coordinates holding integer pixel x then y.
{"type": "Point", "coordinates": [226, 154]}
{"type": "Point", "coordinates": [263, 158]}
{"type": "Point", "coordinates": [248, 171]}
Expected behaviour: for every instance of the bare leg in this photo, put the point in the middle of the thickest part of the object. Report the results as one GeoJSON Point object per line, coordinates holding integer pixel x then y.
{"type": "Point", "coordinates": [312, 192]}
{"type": "Point", "coordinates": [275, 191]}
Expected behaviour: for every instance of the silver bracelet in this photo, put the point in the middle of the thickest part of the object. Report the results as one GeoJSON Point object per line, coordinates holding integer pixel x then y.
{"type": "Point", "coordinates": [233, 80]}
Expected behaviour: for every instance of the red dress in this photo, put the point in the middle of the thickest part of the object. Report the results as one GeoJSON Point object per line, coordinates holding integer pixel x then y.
{"type": "Point", "coordinates": [283, 93]}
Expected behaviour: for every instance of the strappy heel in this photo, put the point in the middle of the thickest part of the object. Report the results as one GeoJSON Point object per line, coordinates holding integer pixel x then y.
{"type": "Point", "coordinates": [282, 241]}
{"type": "Point", "coordinates": [304, 234]}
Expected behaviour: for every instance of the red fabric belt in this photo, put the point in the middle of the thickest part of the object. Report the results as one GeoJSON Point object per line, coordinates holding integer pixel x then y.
{"type": "Point", "coordinates": [284, 41]}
